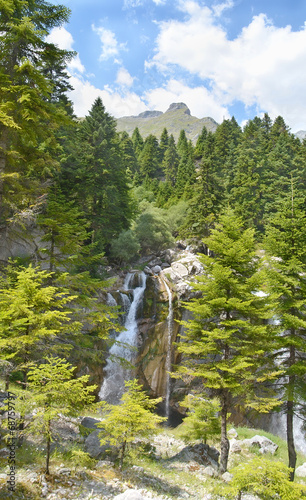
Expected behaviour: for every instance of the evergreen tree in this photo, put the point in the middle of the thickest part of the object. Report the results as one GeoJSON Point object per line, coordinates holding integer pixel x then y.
{"type": "Point", "coordinates": [100, 179]}
{"type": "Point", "coordinates": [53, 391]}
{"type": "Point", "coordinates": [163, 144]}
{"type": "Point", "coordinates": [137, 142]}
{"type": "Point", "coordinates": [225, 342]}
{"type": "Point", "coordinates": [206, 202]}
{"type": "Point", "coordinates": [132, 418]}
{"type": "Point", "coordinates": [171, 161]}
{"type": "Point", "coordinates": [149, 158]}
{"type": "Point", "coordinates": [286, 243]}
{"type": "Point", "coordinates": [29, 99]}
{"type": "Point", "coordinates": [128, 154]}
{"type": "Point", "coordinates": [32, 315]}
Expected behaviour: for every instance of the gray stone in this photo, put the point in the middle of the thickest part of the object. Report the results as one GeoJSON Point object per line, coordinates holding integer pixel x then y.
{"type": "Point", "coordinates": [235, 446]}
{"type": "Point", "coordinates": [232, 434]}
{"type": "Point", "coordinates": [179, 269]}
{"type": "Point", "coordinates": [156, 269]}
{"type": "Point", "coordinates": [264, 444]}
{"type": "Point", "coordinates": [93, 446]}
{"type": "Point", "coordinates": [301, 471]}
{"type": "Point", "coordinates": [210, 471]}
{"type": "Point", "coordinates": [227, 477]}
{"type": "Point", "coordinates": [130, 495]}
{"type": "Point", "coordinates": [4, 452]}
{"type": "Point", "coordinates": [90, 423]}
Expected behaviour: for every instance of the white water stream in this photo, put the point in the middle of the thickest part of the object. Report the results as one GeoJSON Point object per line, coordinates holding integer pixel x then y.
{"type": "Point", "coordinates": [169, 352]}
{"type": "Point", "coordinates": [117, 373]}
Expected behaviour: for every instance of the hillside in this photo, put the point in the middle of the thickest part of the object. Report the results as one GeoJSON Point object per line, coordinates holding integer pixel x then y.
{"type": "Point", "coordinates": [176, 118]}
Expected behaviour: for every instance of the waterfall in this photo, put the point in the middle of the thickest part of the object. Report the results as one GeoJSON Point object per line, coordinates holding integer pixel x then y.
{"type": "Point", "coordinates": [123, 349]}
{"type": "Point", "coordinates": [169, 351]}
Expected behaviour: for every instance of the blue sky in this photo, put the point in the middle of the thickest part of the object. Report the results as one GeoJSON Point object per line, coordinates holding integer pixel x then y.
{"type": "Point", "coordinates": [222, 58]}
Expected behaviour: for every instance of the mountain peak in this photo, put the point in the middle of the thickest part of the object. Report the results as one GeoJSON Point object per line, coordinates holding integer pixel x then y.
{"type": "Point", "coordinates": [179, 105]}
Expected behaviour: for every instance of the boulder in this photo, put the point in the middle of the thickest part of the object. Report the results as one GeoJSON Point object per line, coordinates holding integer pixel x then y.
{"type": "Point", "coordinates": [90, 423]}
{"type": "Point", "coordinates": [94, 448]}
{"type": "Point", "coordinates": [156, 269]}
{"type": "Point", "coordinates": [301, 471]}
{"type": "Point", "coordinates": [264, 444]}
{"type": "Point", "coordinates": [200, 453]}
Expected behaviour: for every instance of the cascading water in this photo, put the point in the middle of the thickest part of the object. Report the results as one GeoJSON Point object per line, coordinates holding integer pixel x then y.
{"type": "Point", "coordinates": [169, 352]}
{"type": "Point", "coordinates": [117, 373]}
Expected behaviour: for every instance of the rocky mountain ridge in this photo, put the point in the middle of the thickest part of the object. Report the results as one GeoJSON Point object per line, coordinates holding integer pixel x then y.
{"type": "Point", "coordinates": [176, 118]}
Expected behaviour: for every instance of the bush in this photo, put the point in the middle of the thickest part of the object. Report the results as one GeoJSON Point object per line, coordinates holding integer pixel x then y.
{"type": "Point", "coordinates": [264, 478]}
{"type": "Point", "coordinates": [125, 247]}
{"type": "Point", "coordinates": [152, 230]}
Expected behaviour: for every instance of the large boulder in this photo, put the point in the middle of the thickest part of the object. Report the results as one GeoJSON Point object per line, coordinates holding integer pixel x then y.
{"type": "Point", "coordinates": [264, 444]}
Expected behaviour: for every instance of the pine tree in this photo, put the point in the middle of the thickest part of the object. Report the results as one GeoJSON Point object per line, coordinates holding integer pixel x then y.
{"type": "Point", "coordinates": [163, 144]}
{"type": "Point", "coordinates": [132, 418]}
{"type": "Point", "coordinates": [286, 243]}
{"type": "Point", "coordinates": [225, 342]}
{"type": "Point", "coordinates": [100, 180]}
{"type": "Point", "coordinates": [53, 391]}
{"type": "Point", "coordinates": [149, 158]}
{"type": "Point", "coordinates": [171, 161]}
{"type": "Point", "coordinates": [32, 315]}
{"type": "Point", "coordinates": [30, 97]}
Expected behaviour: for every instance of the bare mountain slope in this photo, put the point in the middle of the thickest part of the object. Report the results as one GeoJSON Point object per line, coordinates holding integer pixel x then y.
{"type": "Point", "coordinates": [176, 118]}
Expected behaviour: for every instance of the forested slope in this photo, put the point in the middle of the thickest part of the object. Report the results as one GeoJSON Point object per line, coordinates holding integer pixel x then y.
{"type": "Point", "coordinates": [103, 198]}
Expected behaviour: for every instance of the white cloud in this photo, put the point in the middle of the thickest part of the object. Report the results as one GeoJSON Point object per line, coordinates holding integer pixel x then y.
{"type": "Point", "coordinates": [264, 66]}
{"type": "Point", "coordinates": [220, 7]}
{"type": "Point", "coordinates": [132, 3]}
{"type": "Point", "coordinates": [200, 101]}
{"type": "Point", "coordinates": [117, 104]}
{"type": "Point", "coordinates": [64, 40]}
{"type": "Point", "coordinates": [124, 79]}
{"type": "Point", "coordinates": [159, 2]}
{"type": "Point", "coordinates": [110, 46]}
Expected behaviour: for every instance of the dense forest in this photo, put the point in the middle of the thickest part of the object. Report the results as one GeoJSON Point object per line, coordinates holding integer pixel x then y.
{"type": "Point", "coordinates": [100, 198]}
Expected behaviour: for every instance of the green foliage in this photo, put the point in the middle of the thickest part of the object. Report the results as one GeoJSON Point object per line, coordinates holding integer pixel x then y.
{"type": "Point", "coordinates": [203, 420]}
{"type": "Point", "coordinates": [32, 314]}
{"type": "Point", "coordinates": [152, 230]}
{"type": "Point", "coordinates": [32, 107]}
{"type": "Point", "coordinates": [264, 478]}
{"type": "Point", "coordinates": [52, 392]}
{"type": "Point", "coordinates": [226, 340]}
{"type": "Point", "coordinates": [132, 418]}
{"type": "Point", "coordinates": [125, 247]}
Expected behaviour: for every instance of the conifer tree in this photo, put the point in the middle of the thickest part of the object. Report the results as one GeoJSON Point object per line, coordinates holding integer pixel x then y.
{"type": "Point", "coordinates": [163, 144]}
{"type": "Point", "coordinates": [286, 244]}
{"type": "Point", "coordinates": [171, 161]}
{"type": "Point", "coordinates": [149, 158]}
{"type": "Point", "coordinates": [132, 418]}
{"type": "Point", "coordinates": [53, 391]}
{"type": "Point", "coordinates": [32, 314]}
{"type": "Point", "coordinates": [225, 342]}
{"type": "Point", "coordinates": [30, 95]}
{"type": "Point", "coordinates": [100, 180]}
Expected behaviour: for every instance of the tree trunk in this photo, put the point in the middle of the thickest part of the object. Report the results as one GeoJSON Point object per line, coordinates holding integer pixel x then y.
{"type": "Point", "coordinates": [224, 439]}
{"type": "Point", "coordinates": [122, 454]}
{"type": "Point", "coordinates": [289, 411]}
{"type": "Point", "coordinates": [48, 447]}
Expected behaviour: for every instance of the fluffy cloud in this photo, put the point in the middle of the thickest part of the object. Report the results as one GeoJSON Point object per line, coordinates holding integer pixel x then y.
{"type": "Point", "coordinates": [200, 101]}
{"type": "Point", "coordinates": [124, 79]}
{"type": "Point", "coordinates": [264, 66]}
{"type": "Point", "coordinates": [64, 40]}
{"type": "Point", "coordinates": [110, 46]}
{"type": "Point", "coordinates": [116, 103]}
